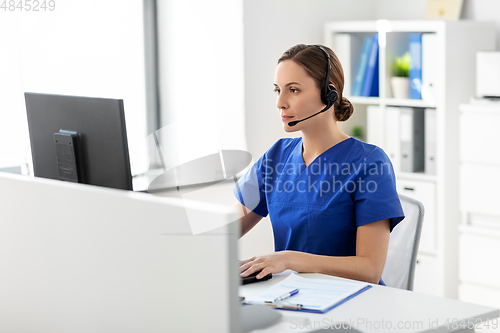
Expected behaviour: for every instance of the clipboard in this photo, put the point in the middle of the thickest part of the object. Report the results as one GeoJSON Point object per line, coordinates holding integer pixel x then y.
{"type": "Point", "coordinates": [318, 295]}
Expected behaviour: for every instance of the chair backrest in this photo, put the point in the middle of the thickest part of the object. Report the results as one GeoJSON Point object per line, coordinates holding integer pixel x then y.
{"type": "Point", "coordinates": [399, 269]}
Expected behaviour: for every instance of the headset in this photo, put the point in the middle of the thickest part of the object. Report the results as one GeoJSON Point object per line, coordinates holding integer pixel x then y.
{"type": "Point", "coordinates": [328, 93]}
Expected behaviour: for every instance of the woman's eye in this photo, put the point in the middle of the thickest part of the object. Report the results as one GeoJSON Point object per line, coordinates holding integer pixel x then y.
{"type": "Point", "coordinates": [293, 91]}
{"type": "Point", "coordinates": [277, 91]}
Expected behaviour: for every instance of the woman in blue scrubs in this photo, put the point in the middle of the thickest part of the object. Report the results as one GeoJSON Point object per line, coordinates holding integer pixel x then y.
{"type": "Point", "coordinates": [331, 198]}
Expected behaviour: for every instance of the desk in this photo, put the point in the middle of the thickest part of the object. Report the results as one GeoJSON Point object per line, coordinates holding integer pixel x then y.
{"type": "Point", "coordinates": [380, 309]}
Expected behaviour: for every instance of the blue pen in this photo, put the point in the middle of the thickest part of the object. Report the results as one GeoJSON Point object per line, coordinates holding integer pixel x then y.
{"type": "Point", "coordinates": [285, 296]}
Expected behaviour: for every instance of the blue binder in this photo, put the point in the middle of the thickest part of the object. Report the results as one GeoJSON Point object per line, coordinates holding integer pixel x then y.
{"type": "Point", "coordinates": [370, 82]}
{"type": "Point", "coordinates": [416, 66]}
{"type": "Point", "coordinates": [362, 64]}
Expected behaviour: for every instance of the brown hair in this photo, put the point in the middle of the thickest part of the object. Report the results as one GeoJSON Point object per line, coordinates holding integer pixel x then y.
{"type": "Point", "coordinates": [314, 62]}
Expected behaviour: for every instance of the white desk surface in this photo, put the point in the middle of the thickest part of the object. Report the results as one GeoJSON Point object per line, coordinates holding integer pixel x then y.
{"type": "Point", "coordinates": [380, 309]}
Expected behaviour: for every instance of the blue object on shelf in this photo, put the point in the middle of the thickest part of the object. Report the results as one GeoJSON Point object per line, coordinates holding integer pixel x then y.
{"type": "Point", "coordinates": [416, 66]}
{"type": "Point", "coordinates": [362, 64]}
{"type": "Point", "coordinates": [370, 82]}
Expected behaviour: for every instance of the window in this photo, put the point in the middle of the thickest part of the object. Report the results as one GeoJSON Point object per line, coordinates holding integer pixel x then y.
{"type": "Point", "coordinates": [201, 78]}
{"type": "Point", "coordinates": [84, 48]}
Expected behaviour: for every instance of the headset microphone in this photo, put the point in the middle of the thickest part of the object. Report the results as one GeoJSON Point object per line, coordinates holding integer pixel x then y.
{"type": "Point", "coordinates": [293, 123]}
{"type": "Point", "coordinates": [328, 93]}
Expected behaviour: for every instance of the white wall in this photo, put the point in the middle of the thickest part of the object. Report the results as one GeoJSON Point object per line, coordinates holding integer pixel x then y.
{"type": "Point", "coordinates": [201, 76]}
{"type": "Point", "coordinates": [483, 10]}
{"type": "Point", "coordinates": [478, 10]}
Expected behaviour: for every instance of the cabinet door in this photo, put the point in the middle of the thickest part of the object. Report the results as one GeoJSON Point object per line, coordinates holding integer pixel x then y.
{"type": "Point", "coordinates": [479, 259]}
{"type": "Point", "coordinates": [427, 278]}
{"type": "Point", "coordinates": [479, 186]}
{"type": "Point", "coordinates": [425, 193]}
{"type": "Point", "coordinates": [479, 295]}
{"type": "Point", "coordinates": [479, 137]}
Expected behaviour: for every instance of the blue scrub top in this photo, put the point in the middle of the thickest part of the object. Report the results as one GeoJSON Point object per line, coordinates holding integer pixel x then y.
{"type": "Point", "coordinates": [317, 209]}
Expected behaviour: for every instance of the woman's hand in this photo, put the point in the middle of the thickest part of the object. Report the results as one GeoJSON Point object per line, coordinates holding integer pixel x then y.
{"type": "Point", "coordinates": [273, 263]}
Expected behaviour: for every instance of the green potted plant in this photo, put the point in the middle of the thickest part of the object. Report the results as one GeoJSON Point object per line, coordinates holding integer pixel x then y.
{"type": "Point", "coordinates": [357, 132]}
{"type": "Point", "coordinates": [400, 82]}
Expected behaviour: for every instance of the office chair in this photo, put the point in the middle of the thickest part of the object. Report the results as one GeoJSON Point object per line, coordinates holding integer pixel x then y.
{"type": "Point", "coordinates": [399, 269]}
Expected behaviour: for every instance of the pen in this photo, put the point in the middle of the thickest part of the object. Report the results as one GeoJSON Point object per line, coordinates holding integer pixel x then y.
{"type": "Point", "coordinates": [289, 307]}
{"type": "Point", "coordinates": [285, 296]}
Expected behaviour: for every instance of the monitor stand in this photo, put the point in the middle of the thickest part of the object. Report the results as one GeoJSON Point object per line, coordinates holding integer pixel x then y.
{"type": "Point", "coordinates": [69, 156]}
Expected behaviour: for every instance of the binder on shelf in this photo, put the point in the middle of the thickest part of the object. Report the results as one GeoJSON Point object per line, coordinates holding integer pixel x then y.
{"type": "Point", "coordinates": [416, 66]}
{"type": "Point", "coordinates": [430, 134]}
{"type": "Point", "coordinates": [412, 139]}
{"type": "Point", "coordinates": [315, 295]}
{"type": "Point", "coordinates": [392, 137]}
{"type": "Point", "coordinates": [362, 64]}
{"type": "Point", "coordinates": [344, 46]}
{"type": "Point", "coordinates": [429, 67]}
{"type": "Point", "coordinates": [370, 81]}
{"type": "Point", "coordinates": [375, 124]}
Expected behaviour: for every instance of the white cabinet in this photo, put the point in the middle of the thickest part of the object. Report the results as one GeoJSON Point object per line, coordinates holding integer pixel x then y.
{"type": "Point", "coordinates": [453, 77]}
{"type": "Point", "coordinates": [425, 192]}
{"type": "Point", "coordinates": [479, 185]}
{"type": "Point", "coordinates": [479, 133]}
{"type": "Point", "coordinates": [427, 272]}
{"type": "Point", "coordinates": [479, 255]}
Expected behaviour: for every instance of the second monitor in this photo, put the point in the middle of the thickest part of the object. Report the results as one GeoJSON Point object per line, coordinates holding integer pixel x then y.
{"type": "Point", "coordinates": [80, 139]}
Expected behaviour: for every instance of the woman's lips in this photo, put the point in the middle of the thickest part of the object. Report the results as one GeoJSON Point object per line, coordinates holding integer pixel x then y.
{"type": "Point", "coordinates": [286, 118]}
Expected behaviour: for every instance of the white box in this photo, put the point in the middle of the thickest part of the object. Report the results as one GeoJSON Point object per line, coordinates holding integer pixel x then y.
{"type": "Point", "coordinates": [488, 74]}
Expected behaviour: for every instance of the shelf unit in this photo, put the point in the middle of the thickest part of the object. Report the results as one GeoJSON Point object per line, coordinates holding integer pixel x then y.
{"type": "Point", "coordinates": [457, 44]}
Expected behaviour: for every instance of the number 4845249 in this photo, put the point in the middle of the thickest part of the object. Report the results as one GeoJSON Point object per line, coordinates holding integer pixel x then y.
{"type": "Point", "coordinates": [27, 5]}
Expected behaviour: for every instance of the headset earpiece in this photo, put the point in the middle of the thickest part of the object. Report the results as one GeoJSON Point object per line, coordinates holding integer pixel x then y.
{"type": "Point", "coordinates": [331, 95]}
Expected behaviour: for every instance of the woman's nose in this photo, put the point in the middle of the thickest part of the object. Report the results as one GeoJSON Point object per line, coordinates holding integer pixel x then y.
{"type": "Point", "coordinates": [281, 102]}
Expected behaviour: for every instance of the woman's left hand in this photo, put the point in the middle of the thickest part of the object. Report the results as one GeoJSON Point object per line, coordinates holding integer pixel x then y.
{"type": "Point", "coordinates": [273, 263]}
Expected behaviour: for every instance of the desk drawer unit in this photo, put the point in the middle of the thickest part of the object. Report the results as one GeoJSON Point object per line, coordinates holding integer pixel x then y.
{"type": "Point", "coordinates": [479, 242]}
{"type": "Point", "coordinates": [425, 192]}
{"type": "Point", "coordinates": [427, 275]}
{"type": "Point", "coordinates": [479, 188]}
{"type": "Point", "coordinates": [479, 257]}
{"type": "Point", "coordinates": [472, 293]}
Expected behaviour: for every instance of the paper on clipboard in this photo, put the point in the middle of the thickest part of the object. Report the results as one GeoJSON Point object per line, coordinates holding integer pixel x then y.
{"type": "Point", "coordinates": [315, 295]}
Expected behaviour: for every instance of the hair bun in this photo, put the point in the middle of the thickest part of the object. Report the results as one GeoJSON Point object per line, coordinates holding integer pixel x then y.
{"type": "Point", "coordinates": [344, 110]}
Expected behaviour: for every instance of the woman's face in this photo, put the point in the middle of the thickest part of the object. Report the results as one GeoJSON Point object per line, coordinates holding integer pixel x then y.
{"type": "Point", "coordinates": [298, 96]}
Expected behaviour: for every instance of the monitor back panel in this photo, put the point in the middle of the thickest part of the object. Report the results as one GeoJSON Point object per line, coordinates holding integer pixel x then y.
{"type": "Point", "coordinates": [78, 258]}
{"type": "Point", "coordinates": [101, 125]}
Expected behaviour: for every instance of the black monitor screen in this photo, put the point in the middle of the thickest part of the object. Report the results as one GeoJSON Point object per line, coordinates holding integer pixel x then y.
{"type": "Point", "coordinates": [99, 126]}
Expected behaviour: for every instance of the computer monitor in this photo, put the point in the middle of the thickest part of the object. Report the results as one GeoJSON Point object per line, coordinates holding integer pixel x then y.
{"type": "Point", "coordinates": [79, 139]}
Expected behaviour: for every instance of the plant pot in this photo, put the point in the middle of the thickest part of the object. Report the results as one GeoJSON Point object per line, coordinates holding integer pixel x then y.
{"type": "Point", "coordinates": [400, 87]}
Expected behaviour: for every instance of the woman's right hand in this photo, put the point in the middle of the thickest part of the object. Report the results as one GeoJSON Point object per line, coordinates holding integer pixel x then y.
{"type": "Point", "coordinates": [242, 262]}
